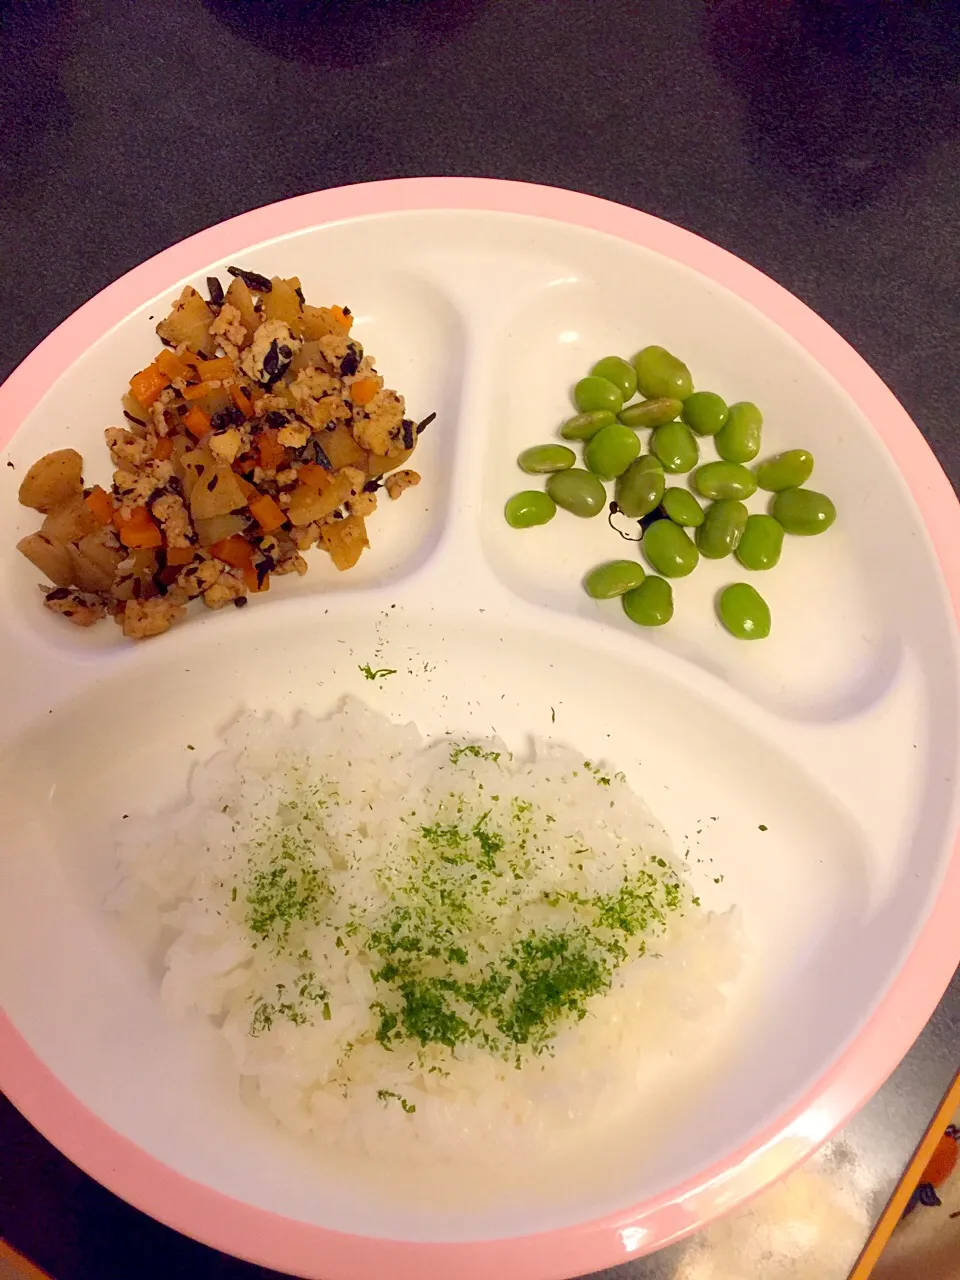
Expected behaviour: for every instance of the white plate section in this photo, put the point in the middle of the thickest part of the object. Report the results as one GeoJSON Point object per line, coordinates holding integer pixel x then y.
{"type": "Point", "coordinates": [810, 778]}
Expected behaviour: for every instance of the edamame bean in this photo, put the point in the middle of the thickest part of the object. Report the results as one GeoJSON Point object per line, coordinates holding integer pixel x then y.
{"type": "Point", "coordinates": [597, 393]}
{"type": "Point", "coordinates": [543, 458]}
{"type": "Point", "coordinates": [682, 507]}
{"type": "Point", "coordinates": [620, 372]}
{"type": "Point", "coordinates": [611, 451]}
{"type": "Point", "coordinates": [739, 439]}
{"type": "Point", "coordinates": [651, 413]}
{"type": "Point", "coordinates": [744, 612]}
{"type": "Point", "coordinates": [650, 604]}
{"type": "Point", "coordinates": [661, 374]}
{"type": "Point", "coordinates": [724, 480]}
{"type": "Point", "coordinates": [528, 508]}
{"type": "Point", "coordinates": [577, 491]}
{"type": "Point", "coordinates": [640, 488]}
{"type": "Point", "coordinates": [613, 579]}
{"type": "Point", "coordinates": [676, 447]}
{"type": "Point", "coordinates": [761, 543]}
{"type": "Point", "coordinates": [723, 524]}
{"type": "Point", "coordinates": [585, 425]}
{"type": "Point", "coordinates": [706, 412]}
{"type": "Point", "coordinates": [803, 511]}
{"type": "Point", "coordinates": [785, 471]}
{"type": "Point", "coordinates": [669, 549]}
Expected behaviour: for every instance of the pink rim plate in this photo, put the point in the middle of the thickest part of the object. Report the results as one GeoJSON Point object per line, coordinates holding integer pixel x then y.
{"type": "Point", "coordinates": [305, 1250]}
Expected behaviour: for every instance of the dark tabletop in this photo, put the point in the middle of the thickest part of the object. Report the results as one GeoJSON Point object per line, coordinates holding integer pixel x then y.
{"type": "Point", "coordinates": [818, 139]}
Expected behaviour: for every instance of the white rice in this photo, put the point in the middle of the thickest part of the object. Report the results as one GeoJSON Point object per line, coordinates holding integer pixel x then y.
{"type": "Point", "coordinates": [297, 841]}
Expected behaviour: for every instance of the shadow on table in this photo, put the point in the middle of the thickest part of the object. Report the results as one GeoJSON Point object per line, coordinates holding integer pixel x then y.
{"type": "Point", "coordinates": [840, 94]}
{"type": "Point", "coordinates": [345, 33]}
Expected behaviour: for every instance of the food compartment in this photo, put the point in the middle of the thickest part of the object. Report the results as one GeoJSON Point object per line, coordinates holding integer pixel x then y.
{"type": "Point", "coordinates": [758, 833]}
{"type": "Point", "coordinates": [843, 603]}
{"type": "Point", "coordinates": [410, 328]}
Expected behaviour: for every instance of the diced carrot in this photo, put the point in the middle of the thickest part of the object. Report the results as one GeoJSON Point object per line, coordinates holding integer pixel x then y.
{"type": "Point", "coordinates": [267, 513]}
{"type": "Point", "coordinates": [220, 367]}
{"type": "Point", "coordinates": [170, 364]}
{"type": "Point", "coordinates": [180, 555]}
{"type": "Point", "coordinates": [238, 553]}
{"type": "Point", "coordinates": [197, 391]}
{"type": "Point", "coordinates": [253, 583]}
{"type": "Point", "coordinates": [342, 318]}
{"type": "Point", "coordinates": [100, 505]}
{"type": "Point", "coordinates": [140, 531]}
{"type": "Point", "coordinates": [163, 449]}
{"type": "Point", "coordinates": [234, 551]}
{"type": "Point", "coordinates": [314, 476]}
{"type": "Point", "coordinates": [146, 385]}
{"type": "Point", "coordinates": [363, 390]}
{"type": "Point", "coordinates": [271, 451]}
{"type": "Point", "coordinates": [197, 421]}
{"type": "Point", "coordinates": [242, 400]}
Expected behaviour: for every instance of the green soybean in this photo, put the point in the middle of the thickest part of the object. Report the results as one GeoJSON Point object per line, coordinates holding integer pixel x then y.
{"type": "Point", "coordinates": [669, 549]}
{"type": "Point", "coordinates": [640, 488]}
{"type": "Point", "coordinates": [803, 511]}
{"type": "Point", "coordinates": [762, 541]}
{"type": "Point", "coordinates": [651, 413]}
{"type": "Point", "coordinates": [650, 604]}
{"type": "Point", "coordinates": [744, 612]}
{"type": "Point", "coordinates": [585, 425]}
{"type": "Point", "coordinates": [661, 374]}
{"type": "Point", "coordinates": [676, 447]}
{"type": "Point", "coordinates": [682, 507]}
{"type": "Point", "coordinates": [785, 471]}
{"type": "Point", "coordinates": [528, 508]}
{"type": "Point", "coordinates": [724, 480]}
{"type": "Point", "coordinates": [705, 412]}
{"type": "Point", "coordinates": [723, 524]}
{"type": "Point", "coordinates": [611, 450]}
{"type": "Point", "coordinates": [739, 439]}
{"type": "Point", "coordinates": [597, 393]}
{"type": "Point", "coordinates": [544, 458]}
{"type": "Point", "coordinates": [613, 579]}
{"type": "Point", "coordinates": [577, 491]}
{"type": "Point", "coordinates": [620, 372]}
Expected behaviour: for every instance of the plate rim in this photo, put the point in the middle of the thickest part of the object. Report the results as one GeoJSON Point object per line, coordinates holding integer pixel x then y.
{"type": "Point", "coordinates": [271, 1239]}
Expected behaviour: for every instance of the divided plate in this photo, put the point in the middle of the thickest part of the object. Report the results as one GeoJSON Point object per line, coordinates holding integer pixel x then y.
{"type": "Point", "coordinates": [484, 301]}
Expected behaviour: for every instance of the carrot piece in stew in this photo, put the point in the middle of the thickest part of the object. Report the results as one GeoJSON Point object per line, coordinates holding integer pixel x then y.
{"type": "Point", "coordinates": [140, 531]}
{"type": "Point", "coordinates": [267, 513]}
{"type": "Point", "coordinates": [198, 391]}
{"type": "Point", "coordinates": [146, 385]}
{"type": "Point", "coordinates": [253, 582]}
{"type": "Point", "coordinates": [171, 364]}
{"type": "Point", "coordinates": [100, 505]}
{"type": "Point", "coordinates": [180, 555]}
{"type": "Point", "coordinates": [197, 421]}
{"type": "Point", "coordinates": [314, 476]}
{"type": "Point", "coordinates": [242, 401]}
{"type": "Point", "coordinates": [234, 551]}
{"type": "Point", "coordinates": [342, 318]}
{"type": "Point", "coordinates": [363, 390]}
{"type": "Point", "coordinates": [219, 367]}
{"type": "Point", "coordinates": [272, 452]}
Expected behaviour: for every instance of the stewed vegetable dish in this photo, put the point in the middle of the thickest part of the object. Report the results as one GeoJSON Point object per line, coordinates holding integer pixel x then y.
{"type": "Point", "coordinates": [261, 430]}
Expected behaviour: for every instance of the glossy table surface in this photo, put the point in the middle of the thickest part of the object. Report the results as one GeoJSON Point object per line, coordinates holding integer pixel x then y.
{"type": "Point", "coordinates": [819, 141]}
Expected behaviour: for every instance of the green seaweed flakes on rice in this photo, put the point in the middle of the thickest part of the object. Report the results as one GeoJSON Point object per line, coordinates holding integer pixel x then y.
{"type": "Point", "coordinates": [432, 942]}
